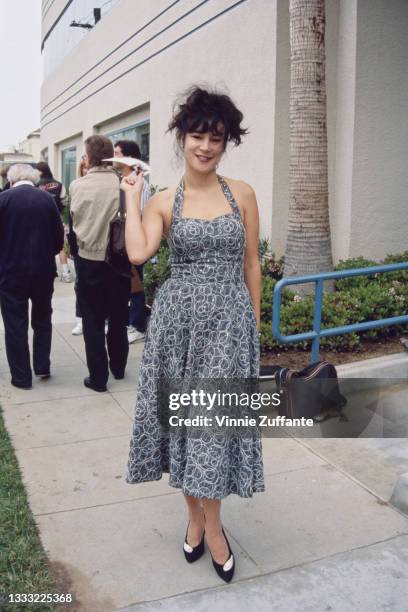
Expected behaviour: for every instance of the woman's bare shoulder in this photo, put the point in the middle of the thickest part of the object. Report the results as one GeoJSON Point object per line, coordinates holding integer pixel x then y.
{"type": "Point", "coordinates": [239, 186]}
{"type": "Point", "coordinates": [162, 201]}
{"type": "Point", "coordinates": [241, 190]}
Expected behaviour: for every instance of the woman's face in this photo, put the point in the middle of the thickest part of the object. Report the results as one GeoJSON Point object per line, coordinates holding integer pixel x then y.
{"type": "Point", "coordinates": [203, 150]}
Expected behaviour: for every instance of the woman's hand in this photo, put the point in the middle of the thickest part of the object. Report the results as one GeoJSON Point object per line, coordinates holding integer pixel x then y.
{"type": "Point", "coordinates": [133, 183]}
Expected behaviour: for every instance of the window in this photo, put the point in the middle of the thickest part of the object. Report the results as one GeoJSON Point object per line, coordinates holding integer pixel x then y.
{"type": "Point", "coordinates": [68, 160]}
{"type": "Point", "coordinates": [139, 132]}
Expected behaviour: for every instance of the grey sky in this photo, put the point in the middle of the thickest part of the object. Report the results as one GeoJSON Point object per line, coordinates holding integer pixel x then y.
{"type": "Point", "coordinates": [21, 68]}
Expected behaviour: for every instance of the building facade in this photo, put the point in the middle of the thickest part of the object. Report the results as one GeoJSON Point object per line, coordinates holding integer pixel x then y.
{"type": "Point", "coordinates": [121, 76]}
{"type": "Point", "coordinates": [31, 145]}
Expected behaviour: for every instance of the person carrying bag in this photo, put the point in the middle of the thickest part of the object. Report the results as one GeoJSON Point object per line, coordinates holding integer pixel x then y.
{"type": "Point", "coordinates": [103, 291]}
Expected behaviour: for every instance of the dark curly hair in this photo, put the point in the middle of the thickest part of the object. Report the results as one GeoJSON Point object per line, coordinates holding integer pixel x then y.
{"type": "Point", "coordinates": [45, 170]}
{"type": "Point", "coordinates": [129, 148]}
{"type": "Point", "coordinates": [203, 111]}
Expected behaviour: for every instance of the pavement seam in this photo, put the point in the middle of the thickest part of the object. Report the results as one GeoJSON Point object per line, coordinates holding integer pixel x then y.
{"type": "Point", "coordinates": [244, 549]}
{"type": "Point", "coordinates": [21, 450]}
{"type": "Point", "coordinates": [49, 399]}
{"type": "Point", "coordinates": [68, 344]}
{"type": "Point", "coordinates": [123, 410]}
{"type": "Point", "coordinates": [304, 467]}
{"type": "Point", "coordinates": [385, 502]}
{"type": "Point", "coordinates": [57, 399]}
{"type": "Point", "coordinates": [261, 575]}
{"type": "Point", "coordinates": [115, 503]}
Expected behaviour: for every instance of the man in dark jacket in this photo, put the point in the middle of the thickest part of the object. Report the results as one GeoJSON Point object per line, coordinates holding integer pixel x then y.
{"type": "Point", "coordinates": [48, 183]}
{"type": "Point", "coordinates": [31, 234]}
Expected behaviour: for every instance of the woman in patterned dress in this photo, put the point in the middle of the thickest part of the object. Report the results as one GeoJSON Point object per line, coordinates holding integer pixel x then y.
{"type": "Point", "coordinates": [205, 318]}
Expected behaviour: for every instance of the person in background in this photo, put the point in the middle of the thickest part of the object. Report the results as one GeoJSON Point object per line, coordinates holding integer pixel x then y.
{"type": "Point", "coordinates": [137, 309]}
{"type": "Point", "coordinates": [49, 184]}
{"type": "Point", "coordinates": [102, 292]}
{"type": "Point", "coordinates": [28, 216]}
{"type": "Point", "coordinates": [73, 249]}
{"type": "Point", "coordinates": [3, 175]}
{"type": "Point", "coordinates": [82, 167]}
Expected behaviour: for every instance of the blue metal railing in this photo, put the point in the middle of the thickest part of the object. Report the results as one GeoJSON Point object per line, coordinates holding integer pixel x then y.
{"type": "Point", "coordinates": [317, 332]}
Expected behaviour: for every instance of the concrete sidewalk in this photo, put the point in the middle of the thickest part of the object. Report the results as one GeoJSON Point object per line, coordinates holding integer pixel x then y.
{"type": "Point", "coordinates": [322, 537]}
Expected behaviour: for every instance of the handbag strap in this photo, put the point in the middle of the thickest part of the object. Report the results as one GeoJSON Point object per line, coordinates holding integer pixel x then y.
{"type": "Point", "coordinates": [122, 204]}
{"type": "Point", "coordinates": [280, 378]}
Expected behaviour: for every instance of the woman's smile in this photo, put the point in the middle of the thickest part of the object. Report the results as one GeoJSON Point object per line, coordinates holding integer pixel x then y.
{"type": "Point", "coordinates": [204, 158]}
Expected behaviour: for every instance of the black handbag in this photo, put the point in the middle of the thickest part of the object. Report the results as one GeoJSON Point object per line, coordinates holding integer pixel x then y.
{"type": "Point", "coordinates": [312, 393]}
{"type": "Point", "coordinates": [71, 238]}
{"type": "Point", "coordinates": [116, 255]}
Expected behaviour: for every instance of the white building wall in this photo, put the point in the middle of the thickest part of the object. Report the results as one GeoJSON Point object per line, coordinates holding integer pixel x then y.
{"type": "Point", "coordinates": [379, 219]}
{"type": "Point", "coordinates": [280, 173]}
{"type": "Point", "coordinates": [341, 155]}
{"type": "Point", "coordinates": [32, 146]}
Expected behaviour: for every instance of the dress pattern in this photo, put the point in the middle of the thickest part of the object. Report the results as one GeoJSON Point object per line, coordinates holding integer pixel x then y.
{"type": "Point", "coordinates": [202, 325]}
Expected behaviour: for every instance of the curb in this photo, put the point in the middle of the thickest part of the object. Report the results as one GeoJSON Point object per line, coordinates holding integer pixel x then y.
{"type": "Point", "coordinates": [389, 366]}
{"type": "Point", "coordinates": [374, 373]}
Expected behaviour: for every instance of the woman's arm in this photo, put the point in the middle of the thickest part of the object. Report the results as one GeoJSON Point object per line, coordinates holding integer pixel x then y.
{"type": "Point", "coordinates": [252, 266]}
{"type": "Point", "coordinates": [142, 238]}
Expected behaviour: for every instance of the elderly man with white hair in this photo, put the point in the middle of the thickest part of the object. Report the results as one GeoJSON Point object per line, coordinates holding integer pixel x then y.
{"type": "Point", "coordinates": [31, 234]}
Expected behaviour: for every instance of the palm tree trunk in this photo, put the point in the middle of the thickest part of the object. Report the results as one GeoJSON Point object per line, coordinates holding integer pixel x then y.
{"type": "Point", "coordinates": [308, 248]}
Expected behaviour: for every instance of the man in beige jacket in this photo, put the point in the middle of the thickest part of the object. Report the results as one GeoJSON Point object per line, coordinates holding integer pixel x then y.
{"type": "Point", "coordinates": [102, 293]}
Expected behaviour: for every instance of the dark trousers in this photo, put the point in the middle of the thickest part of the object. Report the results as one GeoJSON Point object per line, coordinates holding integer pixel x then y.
{"type": "Point", "coordinates": [14, 310]}
{"type": "Point", "coordinates": [77, 308]}
{"type": "Point", "coordinates": [103, 294]}
{"type": "Point", "coordinates": [138, 311]}
{"type": "Point", "coordinates": [137, 307]}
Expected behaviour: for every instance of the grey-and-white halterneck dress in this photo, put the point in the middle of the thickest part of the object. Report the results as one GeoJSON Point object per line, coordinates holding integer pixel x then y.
{"type": "Point", "coordinates": [202, 325]}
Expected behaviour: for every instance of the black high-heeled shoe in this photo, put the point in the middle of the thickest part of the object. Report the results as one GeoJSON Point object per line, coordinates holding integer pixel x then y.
{"type": "Point", "coordinates": [192, 553]}
{"type": "Point", "coordinates": [225, 570]}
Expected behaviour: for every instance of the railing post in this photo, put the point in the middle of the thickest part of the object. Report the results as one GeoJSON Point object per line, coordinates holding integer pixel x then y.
{"type": "Point", "coordinates": [276, 307]}
{"type": "Point", "coordinates": [317, 320]}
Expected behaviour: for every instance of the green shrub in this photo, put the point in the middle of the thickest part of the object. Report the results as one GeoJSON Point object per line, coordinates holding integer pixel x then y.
{"type": "Point", "coordinates": [399, 258]}
{"type": "Point", "coordinates": [268, 285]}
{"type": "Point", "coordinates": [400, 276]}
{"type": "Point", "coordinates": [338, 310]}
{"type": "Point", "coordinates": [156, 271]}
{"type": "Point", "coordinates": [377, 301]}
{"type": "Point", "coordinates": [354, 281]}
{"type": "Point", "coordinates": [263, 247]}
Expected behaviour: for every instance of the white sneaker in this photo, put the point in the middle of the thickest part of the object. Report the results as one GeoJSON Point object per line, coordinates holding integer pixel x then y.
{"type": "Point", "coordinates": [67, 277]}
{"type": "Point", "coordinates": [134, 335]}
{"type": "Point", "coordinates": [77, 330]}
